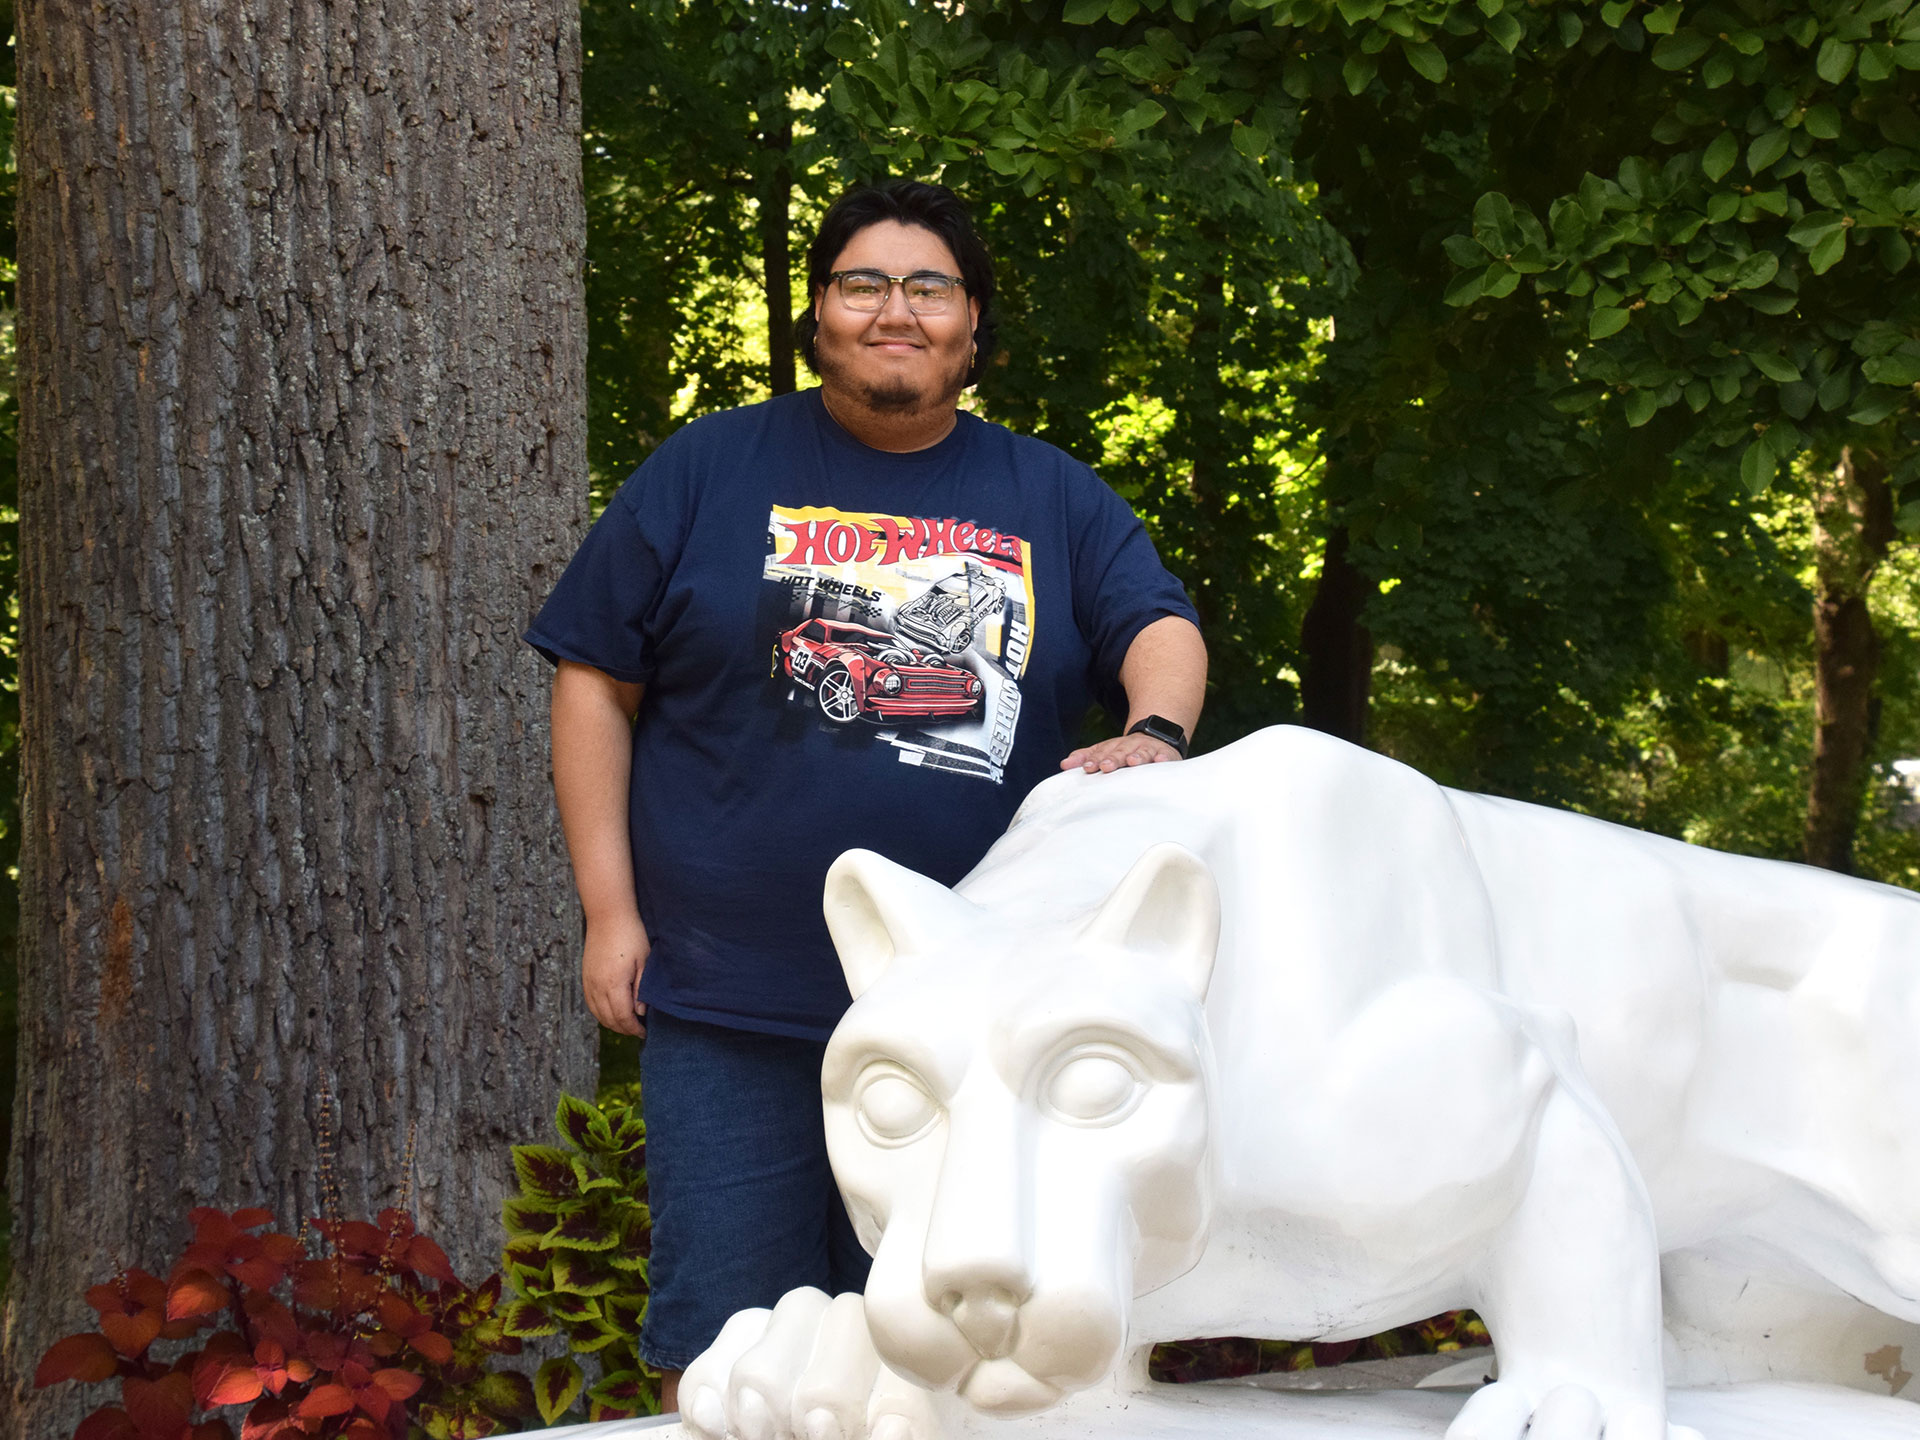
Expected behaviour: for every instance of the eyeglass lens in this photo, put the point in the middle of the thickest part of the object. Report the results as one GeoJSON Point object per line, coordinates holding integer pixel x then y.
{"type": "Point", "coordinates": [927, 294]}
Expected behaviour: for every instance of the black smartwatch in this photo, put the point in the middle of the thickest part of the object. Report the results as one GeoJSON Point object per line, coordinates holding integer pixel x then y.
{"type": "Point", "coordinates": [1162, 729]}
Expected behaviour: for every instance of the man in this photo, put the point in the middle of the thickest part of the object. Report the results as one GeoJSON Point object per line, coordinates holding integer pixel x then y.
{"type": "Point", "coordinates": [853, 616]}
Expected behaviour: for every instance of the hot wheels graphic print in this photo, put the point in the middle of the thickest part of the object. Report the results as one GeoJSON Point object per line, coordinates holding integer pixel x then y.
{"type": "Point", "coordinates": [916, 629]}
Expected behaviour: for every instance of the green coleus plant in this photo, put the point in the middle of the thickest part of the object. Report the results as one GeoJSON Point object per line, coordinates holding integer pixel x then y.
{"type": "Point", "coordinates": [578, 1238]}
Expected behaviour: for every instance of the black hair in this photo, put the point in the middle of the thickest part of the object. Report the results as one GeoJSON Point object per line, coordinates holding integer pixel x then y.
{"type": "Point", "coordinates": [910, 202]}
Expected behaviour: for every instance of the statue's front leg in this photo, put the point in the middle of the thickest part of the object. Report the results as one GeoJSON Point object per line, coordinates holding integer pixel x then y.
{"type": "Point", "coordinates": [805, 1370]}
{"type": "Point", "coordinates": [1570, 1291]}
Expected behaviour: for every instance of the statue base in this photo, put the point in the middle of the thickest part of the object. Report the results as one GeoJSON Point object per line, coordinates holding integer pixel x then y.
{"type": "Point", "coordinates": [1764, 1411]}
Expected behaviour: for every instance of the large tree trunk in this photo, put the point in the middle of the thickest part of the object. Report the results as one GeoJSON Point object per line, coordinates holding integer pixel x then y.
{"type": "Point", "coordinates": [1336, 649]}
{"type": "Point", "coordinates": [302, 445]}
{"type": "Point", "coordinates": [1853, 526]}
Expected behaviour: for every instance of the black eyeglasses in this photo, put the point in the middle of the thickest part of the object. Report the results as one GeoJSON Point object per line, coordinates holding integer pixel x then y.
{"type": "Point", "coordinates": [928, 292]}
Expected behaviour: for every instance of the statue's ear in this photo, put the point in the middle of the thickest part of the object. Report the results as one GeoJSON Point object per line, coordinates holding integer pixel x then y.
{"type": "Point", "coordinates": [1168, 906]}
{"type": "Point", "coordinates": [876, 910]}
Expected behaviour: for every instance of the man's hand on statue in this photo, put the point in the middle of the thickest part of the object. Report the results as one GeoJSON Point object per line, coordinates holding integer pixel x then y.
{"type": "Point", "coordinates": [610, 966]}
{"type": "Point", "coordinates": [1118, 753]}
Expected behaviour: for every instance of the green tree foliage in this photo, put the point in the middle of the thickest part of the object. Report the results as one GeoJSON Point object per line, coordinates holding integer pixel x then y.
{"type": "Point", "coordinates": [1517, 569]}
{"type": "Point", "coordinates": [1137, 338]}
{"type": "Point", "coordinates": [1141, 341]}
{"type": "Point", "coordinates": [1162, 286]}
{"type": "Point", "coordinates": [1512, 474]}
{"type": "Point", "coordinates": [1746, 276]}
{"type": "Point", "coordinates": [702, 122]}
{"type": "Point", "coordinates": [1468, 496]}
{"type": "Point", "coordinates": [1751, 258]}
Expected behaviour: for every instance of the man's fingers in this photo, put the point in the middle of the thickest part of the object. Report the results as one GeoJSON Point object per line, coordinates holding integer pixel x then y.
{"type": "Point", "coordinates": [624, 1026]}
{"type": "Point", "coordinates": [614, 1010]}
{"type": "Point", "coordinates": [1125, 751]}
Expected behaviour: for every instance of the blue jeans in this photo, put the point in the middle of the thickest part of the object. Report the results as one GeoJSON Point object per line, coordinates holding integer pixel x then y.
{"type": "Point", "coordinates": [744, 1204]}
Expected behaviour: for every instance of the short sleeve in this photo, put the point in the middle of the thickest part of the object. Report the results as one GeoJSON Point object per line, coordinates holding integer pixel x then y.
{"type": "Point", "coordinates": [601, 612]}
{"type": "Point", "coordinates": [1119, 585]}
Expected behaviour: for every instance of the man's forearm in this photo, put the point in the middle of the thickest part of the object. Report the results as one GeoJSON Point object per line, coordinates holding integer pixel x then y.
{"type": "Point", "coordinates": [592, 763]}
{"type": "Point", "coordinates": [1165, 673]}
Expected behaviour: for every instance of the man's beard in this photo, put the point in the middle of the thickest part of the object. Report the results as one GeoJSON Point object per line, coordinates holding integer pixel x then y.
{"type": "Point", "coordinates": [895, 395]}
{"type": "Point", "coordinates": [889, 397]}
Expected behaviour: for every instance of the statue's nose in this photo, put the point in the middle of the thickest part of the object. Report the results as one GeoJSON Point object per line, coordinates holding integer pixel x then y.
{"type": "Point", "coordinates": [974, 1261]}
{"type": "Point", "coordinates": [989, 1317]}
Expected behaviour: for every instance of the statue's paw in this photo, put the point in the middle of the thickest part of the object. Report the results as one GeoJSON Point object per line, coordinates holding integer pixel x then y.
{"type": "Point", "coordinates": [1508, 1410]}
{"type": "Point", "coordinates": [804, 1370]}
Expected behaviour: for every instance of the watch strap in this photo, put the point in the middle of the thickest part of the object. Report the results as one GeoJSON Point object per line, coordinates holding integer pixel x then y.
{"type": "Point", "coordinates": [1160, 728]}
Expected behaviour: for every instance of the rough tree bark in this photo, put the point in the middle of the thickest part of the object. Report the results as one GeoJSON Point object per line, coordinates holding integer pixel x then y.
{"type": "Point", "coordinates": [302, 445]}
{"type": "Point", "coordinates": [1853, 526]}
{"type": "Point", "coordinates": [1336, 649]}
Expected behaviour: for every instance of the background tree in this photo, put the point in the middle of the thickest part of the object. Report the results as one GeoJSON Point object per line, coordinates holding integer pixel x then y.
{"type": "Point", "coordinates": [1401, 420]}
{"type": "Point", "coordinates": [1136, 338]}
{"type": "Point", "coordinates": [1406, 113]}
{"type": "Point", "coordinates": [1752, 258]}
{"type": "Point", "coordinates": [9, 633]}
{"type": "Point", "coordinates": [301, 399]}
{"type": "Point", "coordinates": [1494, 545]}
{"type": "Point", "coordinates": [706, 152]}
{"type": "Point", "coordinates": [1759, 313]}
{"type": "Point", "coordinates": [1161, 292]}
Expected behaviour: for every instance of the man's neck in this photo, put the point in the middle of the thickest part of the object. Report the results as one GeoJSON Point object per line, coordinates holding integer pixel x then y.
{"type": "Point", "coordinates": [901, 431]}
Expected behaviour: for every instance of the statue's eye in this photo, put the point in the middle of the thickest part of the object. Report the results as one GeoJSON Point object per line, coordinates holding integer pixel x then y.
{"type": "Point", "coordinates": [1092, 1087]}
{"type": "Point", "coordinates": [893, 1109]}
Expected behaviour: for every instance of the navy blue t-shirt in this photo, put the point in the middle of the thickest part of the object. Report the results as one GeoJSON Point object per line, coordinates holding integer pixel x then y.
{"type": "Point", "coordinates": [841, 647]}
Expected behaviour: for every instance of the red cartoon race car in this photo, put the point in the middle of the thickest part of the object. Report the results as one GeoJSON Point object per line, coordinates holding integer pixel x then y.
{"type": "Point", "coordinates": [857, 673]}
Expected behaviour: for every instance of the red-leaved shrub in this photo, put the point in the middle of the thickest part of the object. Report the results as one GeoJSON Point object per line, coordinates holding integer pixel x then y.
{"type": "Point", "coordinates": [373, 1340]}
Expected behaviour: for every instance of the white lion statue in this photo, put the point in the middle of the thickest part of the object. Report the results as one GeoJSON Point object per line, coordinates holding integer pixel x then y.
{"type": "Point", "coordinates": [1289, 1041]}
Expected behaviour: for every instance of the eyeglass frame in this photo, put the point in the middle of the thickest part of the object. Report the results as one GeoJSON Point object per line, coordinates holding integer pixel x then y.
{"type": "Point", "coordinates": [834, 277]}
